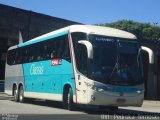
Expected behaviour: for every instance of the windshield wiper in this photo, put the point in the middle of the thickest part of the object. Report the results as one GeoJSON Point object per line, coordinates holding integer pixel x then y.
{"type": "Point", "coordinates": [116, 66]}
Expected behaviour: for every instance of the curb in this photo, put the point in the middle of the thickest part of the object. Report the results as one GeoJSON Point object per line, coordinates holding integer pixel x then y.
{"type": "Point", "coordinates": [151, 101]}
{"type": "Point", "coordinates": [4, 96]}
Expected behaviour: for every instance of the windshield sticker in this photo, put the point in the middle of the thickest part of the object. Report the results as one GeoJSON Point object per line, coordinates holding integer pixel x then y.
{"type": "Point", "coordinates": [104, 39]}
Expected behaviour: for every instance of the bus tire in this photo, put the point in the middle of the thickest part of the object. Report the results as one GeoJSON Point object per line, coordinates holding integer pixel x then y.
{"type": "Point", "coordinates": [21, 94]}
{"type": "Point", "coordinates": [15, 94]}
{"type": "Point", "coordinates": [68, 100]}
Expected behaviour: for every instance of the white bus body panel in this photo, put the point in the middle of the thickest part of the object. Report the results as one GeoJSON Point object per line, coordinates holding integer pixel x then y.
{"type": "Point", "coordinates": [86, 94]}
{"type": "Point", "coordinates": [13, 75]}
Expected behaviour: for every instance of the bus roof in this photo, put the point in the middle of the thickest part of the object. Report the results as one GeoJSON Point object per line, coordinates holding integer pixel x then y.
{"type": "Point", "coordinates": [100, 30]}
{"type": "Point", "coordinates": [89, 29]}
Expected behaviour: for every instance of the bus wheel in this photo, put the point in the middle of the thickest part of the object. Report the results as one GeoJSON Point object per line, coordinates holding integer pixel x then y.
{"type": "Point", "coordinates": [21, 94]}
{"type": "Point", "coordinates": [15, 94]}
{"type": "Point", "coordinates": [68, 100]}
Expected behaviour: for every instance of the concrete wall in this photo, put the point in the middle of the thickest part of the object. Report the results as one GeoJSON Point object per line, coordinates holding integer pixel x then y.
{"type": "Point", "coordinates": [30, 23]}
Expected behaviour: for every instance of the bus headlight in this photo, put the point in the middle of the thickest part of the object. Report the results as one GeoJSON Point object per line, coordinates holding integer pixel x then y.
{"type": "Point", "coordinates": [97, 88]}
{"type": "Point", "coordinates": [139, 91]}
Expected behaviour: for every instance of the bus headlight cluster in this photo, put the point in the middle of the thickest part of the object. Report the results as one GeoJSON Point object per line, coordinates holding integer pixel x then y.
{"type": "Point", "coordinates": [139, 91]}
{"type": "Point", "coordinates": [95, 87]}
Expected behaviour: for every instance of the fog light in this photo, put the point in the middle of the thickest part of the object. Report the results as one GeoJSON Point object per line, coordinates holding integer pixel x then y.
{"type": "Point", "coordinates": [100, 90]}
{"type": "Point", "coordinates": [139, 91]}
{"type": "Point", "coordinates": [93, 98]}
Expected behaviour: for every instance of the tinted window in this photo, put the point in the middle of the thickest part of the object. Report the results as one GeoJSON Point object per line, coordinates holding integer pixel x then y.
{"type": "Point", "coordinates": [53, 48]}
{"type": "Point", "coordinates": [14, 57]}
{"type": "Point", "coordinates": [80, 52]}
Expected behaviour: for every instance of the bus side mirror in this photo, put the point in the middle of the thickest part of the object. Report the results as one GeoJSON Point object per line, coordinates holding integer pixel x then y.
{"type": "Point", "coordinates": [88, 46]}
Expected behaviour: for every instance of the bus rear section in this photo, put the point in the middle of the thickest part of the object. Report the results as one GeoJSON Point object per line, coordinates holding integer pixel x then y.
{"type": "Point", "coordinates": [41, 69]}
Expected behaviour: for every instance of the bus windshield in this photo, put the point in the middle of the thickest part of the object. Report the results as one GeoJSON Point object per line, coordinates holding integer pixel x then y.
{"type": "Point", "coordinates": [115, 61]}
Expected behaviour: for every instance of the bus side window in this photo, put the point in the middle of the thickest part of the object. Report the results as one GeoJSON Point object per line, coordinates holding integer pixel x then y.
{"type": "Point", "coordinates": [14, 57]}
{"type": "Point", "coordinates": [10, 57]}
{"type": "Point", "coordinates": [80, 52]}
{"type": "Point", "coordinates": [63, 48]}
{"type": "Point", "coordinates": [27, 54]}
{"type": "Point", "coordinates": [66, 54]}
{"type": "Point", "coordinates": [39, 53]}
{"type": "Point", "coordinates": [82, 62]}
{"type": "Point", "coordinates": [53, 54]}
{"type": "Point", "coordinates": [18, 57]}
{"type": "Point", "coordinates": [53, 48]}
{"type": "Point", "coordinates": [45, 52]}
{"type": "Point", "coordinates": [30, 53]}
{"type": "Point", "coordinates": [48, 51]}
{"type": "Point", "coordinates": [25, 59]}
{"type": "Point", "coordinates": [40, 50]}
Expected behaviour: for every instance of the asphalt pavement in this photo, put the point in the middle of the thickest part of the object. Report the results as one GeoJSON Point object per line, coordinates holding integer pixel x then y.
{"type": "Point", "coordinates": [49, 110]}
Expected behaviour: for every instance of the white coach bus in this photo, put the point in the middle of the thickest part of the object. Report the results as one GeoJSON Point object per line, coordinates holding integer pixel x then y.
{"type": "Point", "coordinates": [78, 64]}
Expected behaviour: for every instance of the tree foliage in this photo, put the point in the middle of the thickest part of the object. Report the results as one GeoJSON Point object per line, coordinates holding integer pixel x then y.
{"type": "Point", "coordinates": [143, 31]}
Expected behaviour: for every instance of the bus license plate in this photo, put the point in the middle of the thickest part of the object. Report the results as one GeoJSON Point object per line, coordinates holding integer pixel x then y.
{"type": "Point", "coordinates": [120, 100]}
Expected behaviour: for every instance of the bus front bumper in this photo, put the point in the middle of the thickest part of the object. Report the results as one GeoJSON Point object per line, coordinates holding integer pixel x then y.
{"type": "Point", "coordinates": [115, 99]}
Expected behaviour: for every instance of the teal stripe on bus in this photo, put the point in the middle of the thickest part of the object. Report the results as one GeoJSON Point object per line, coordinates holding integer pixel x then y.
{"type": "Point", "coordinates": [36, 40]}
{"type": "Point", "coordinates": [42, 77]}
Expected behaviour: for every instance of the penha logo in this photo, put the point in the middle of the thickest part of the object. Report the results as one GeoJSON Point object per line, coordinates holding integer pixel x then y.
{"type": "Point", "coordinates": [36, 70]}
{"type": "Point", "coordinates": [56, 62]}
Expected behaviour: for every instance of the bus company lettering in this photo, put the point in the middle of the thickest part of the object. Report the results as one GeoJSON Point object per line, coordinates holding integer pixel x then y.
{"type": "Point", "coordinates": [36, 70]}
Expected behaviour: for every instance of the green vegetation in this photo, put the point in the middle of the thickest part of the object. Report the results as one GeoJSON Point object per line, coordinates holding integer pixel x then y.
{"type": "Point", "coordinates": [143, 31]}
